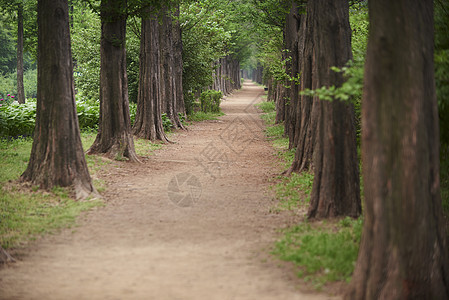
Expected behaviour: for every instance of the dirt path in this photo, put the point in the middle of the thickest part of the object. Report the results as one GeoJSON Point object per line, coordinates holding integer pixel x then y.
{"type": "Point", "coordinates": [192, 222]}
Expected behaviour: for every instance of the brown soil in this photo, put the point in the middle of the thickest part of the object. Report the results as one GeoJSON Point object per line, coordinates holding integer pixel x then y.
{"type": "Point", "coordinates": [209, 239]}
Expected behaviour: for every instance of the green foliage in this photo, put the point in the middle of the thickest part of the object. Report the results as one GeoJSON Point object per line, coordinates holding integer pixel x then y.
{"type": "Point", "coordinates": [8, 83]}
{"type": "Point", "coordinates": [8, 58]}
{"type": "Point", "coordinates": [166, 123]}
{"type": "Point", "coordinates": [205, 40]}
{"type": "Point", "coordinates": [322, 254]}
{"type": "Point", "coordinates": [88, 114]}
{"type": "Point", "coordinates": [442, 71]}
{"type": "Point", "coordinates": [17, 119]}
{"type": "Point", "coordinates": [85, 36]}
{"type": "Point", "coordinates": [210, 101]}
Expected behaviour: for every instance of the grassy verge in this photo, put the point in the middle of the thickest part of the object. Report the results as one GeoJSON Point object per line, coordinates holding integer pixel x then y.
{"type": "Point", "coordinates": [26, 214]}
{"type": "Point", "coordinates": [323, 252]}
{"type": "Point", "coordinates": [202, 116]}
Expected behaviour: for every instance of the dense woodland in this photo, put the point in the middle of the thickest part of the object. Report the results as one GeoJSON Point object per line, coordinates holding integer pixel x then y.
{"type": "Point", "coordinates": [361, 89]}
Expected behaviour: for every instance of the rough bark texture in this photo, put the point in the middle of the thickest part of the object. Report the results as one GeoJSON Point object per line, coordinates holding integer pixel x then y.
{"type": "Point", "coordinates": [114, 138]}
{"type": "Point", "coordinates": [20, 87]}
{"type": "Point", "coordinates": [403, 253]}
{"type": "Point", "coordinates": [291, 89]}
{"type": "Point", "coordinates": [227, 75]}
{"type": "Point", "coordinates": [148, 123]}
{"type": "Point", "coordinates": [178, 67]}
{"type": "Point", "coordinates": [301, 123]}
{"type": "Point", "coordinates": [57, 157]}
{"type": "Point", "coordinates": [336, 188]}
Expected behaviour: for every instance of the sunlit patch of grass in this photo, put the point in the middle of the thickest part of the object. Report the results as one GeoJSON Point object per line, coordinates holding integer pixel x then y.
{"type": "Point", "coordinates": [146, 147]}
{"type": "Point", "coordinates": [28, 212]}
{"type": "Point", "coordinates": [202, 116]}
{"type": "Point", "coordinates": [294, 191]}
{"type": "Point", "coordinates": [266, 106]}
{"type": "Point", "coordinates": [14, 156]}
{"type": "Point", "coordinates": [322, 252]}
{"type": "Point", "coordinates": [25, 215]}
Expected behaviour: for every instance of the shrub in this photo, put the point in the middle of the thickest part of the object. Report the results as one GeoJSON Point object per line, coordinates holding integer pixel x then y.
{"type": "Point", "coordinates": [88, 114]}
{"type": "Point", "coordinates": [17, 119]}
{"type": "Point", "coordinates": [210, 101]}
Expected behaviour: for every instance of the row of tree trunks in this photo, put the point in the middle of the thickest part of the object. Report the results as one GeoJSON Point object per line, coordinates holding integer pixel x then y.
{"type": "Point", "coordinates": [322, 132]}
{"type": "Point", "coordinates": [257, 75]}
{"type": "Point", "coordinates": [160, 78]}
{"type": "Point", "coordinates": [171, 73]}
{"type": "Point", "coordinates": [227, 75]}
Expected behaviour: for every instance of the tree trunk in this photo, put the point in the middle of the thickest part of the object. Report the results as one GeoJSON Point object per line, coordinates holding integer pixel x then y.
{"type": "Point", "coordinates": [336, 185]}
{"type": "Point", "coordinates": [302, 122]}
{"type": "Point", "coordinates": [57, 157]}
{"type": "Point", "coordinates": [403, 253]}
{"type": "Point", "coordinates": [20, 87]}
{"type": "Point", "coordinates": [178, 67]}
{"type": "Point", "coordinates": [114, 138]}
{"type": "Point", "coordinates": [148, 123]}
{"type": "Point", "coordinates": [168, 75]}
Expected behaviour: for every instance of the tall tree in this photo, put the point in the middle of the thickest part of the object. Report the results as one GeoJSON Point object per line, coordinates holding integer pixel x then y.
{"type": "Point", "coordinates": [403, 252]}
{"type": "Point", "coordinates": [336, 188]}
{"type": "Point", "coordinates": [20, 86]}
{"type": "Point", "coordinates": [114, 137]}
{"type": "Point", "coordinates": [178, 65]}
{"type": "Point", "coordinates": [168, 68]}
{"type": "Point", "coordinates": [57, 157]}
{"type": "Point", "coordinates": [148, 123]}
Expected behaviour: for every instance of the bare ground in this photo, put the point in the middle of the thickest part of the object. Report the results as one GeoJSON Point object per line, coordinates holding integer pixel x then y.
{"type": "Point", "coordinates": [193, 221]}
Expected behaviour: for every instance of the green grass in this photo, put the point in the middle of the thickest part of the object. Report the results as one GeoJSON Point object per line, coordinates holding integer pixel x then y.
{"type": "Point", "coordinates": [202, 116]}
{"type": "Point", "coordinates": [293, 191]}
{"type": "Point", "coordinates": [25, 214]}
{"type": "Point", "coordinates": [323, 252]}
{"type": "Point", "coordinates": [146, 147]}
{"type": "Point", "coordinates": [267, 106]}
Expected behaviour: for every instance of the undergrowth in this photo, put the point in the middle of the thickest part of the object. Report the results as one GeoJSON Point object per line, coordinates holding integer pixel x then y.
{"type": "Point", "coordinates": [202, 116]}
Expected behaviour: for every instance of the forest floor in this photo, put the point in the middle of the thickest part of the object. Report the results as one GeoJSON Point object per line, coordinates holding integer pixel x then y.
{"type": "Point", "coordinates": [193, 221]}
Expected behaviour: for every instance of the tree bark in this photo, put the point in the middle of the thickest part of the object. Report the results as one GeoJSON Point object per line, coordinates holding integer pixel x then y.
{"type": "Point", "coordinates": [20, 87]}
{"type": "Point", "coordinates": [57, 157]}
{"type": "Point", "coordinates": [301, 124]}
{"type": "Point", "coordinates": [178, 67]}
{"type": "Point", "coordinates": [403, 252]}
{"type": "Point", "coordinates": [336, 185]}
{"type": "Point", "coordinates": [148, 123]}
{"type": "Point", "coordinates": [114, 138]}
{"type": "Point", "coordinates": [168, 68]}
